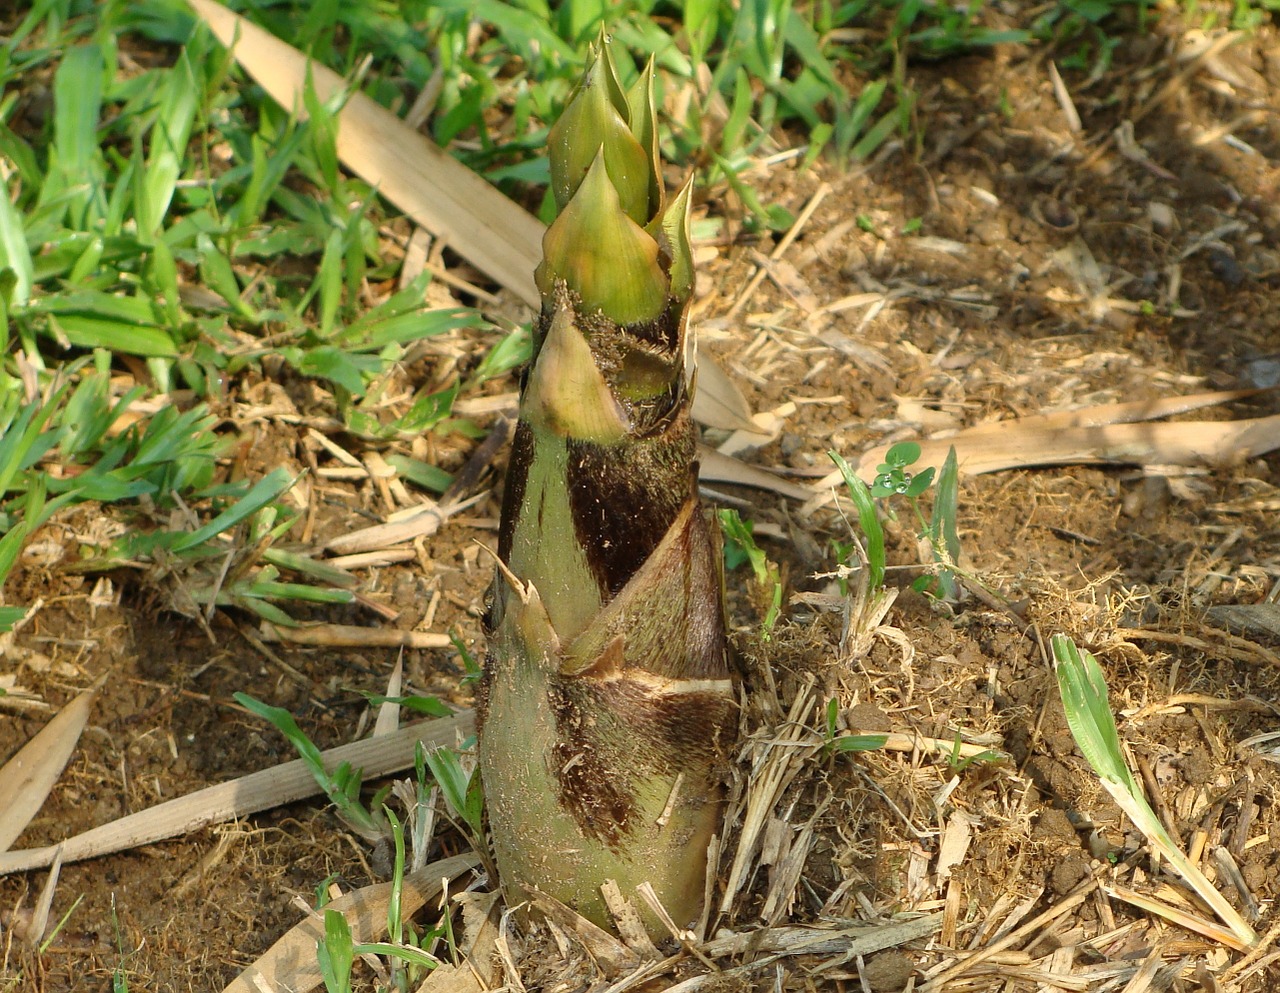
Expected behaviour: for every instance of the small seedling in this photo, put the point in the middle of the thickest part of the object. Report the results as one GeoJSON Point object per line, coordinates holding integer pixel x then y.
{"type": "Point", "coordinates": [868, 522]}
{"type": "Point", "coordinates": [474, 671]}
{"type": "Point", "coordinates": [461, 790]}
{"type": "Point", "coordinates": [342, 786]}
{"type": "Point", "coordinates": [407, 959]}
{"type": "Point", "coordinates": [62, 923]}
{"type": "Point", "coordinates": [834, 743]}
{"type": "Point", "coordinates": [119, 979]}
{"type": "Point", "coordinates": [895, 479]}
{"type": "Point", "coordinates": [419, 796]}
{"type": "Point", "coordinates": [958, 763]}
{"type": "Point", "coordinates": [322, 889]}
{"type": "Point", "coordinates": [740, 548]}
{"type": "Point", "coordinates": [867, 598]}
{"type": "Point", "coordinates": [336, 953]}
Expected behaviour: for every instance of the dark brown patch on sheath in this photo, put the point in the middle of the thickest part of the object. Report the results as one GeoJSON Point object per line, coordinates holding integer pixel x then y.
{"type": "Point", "coordinates": [632, 733]}
{"type": "Point", "coordinates": [522, 447]}
{"type": "Point", "coordinates": [625, 497]}
{"type": "Point", "coordinates": [597, 794]}
{"type": "Point", "coordinates": [483, 691]}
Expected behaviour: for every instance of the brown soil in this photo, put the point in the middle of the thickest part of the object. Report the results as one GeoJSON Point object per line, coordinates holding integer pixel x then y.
{"type": "Point", "coordinates": [986, 319]}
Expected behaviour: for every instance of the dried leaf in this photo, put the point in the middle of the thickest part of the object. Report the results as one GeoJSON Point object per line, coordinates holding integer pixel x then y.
{"type": "Point", "coordinates": [956, 837]}
{"type": "Point", "coordinates": [247, 795]}
{"type": "Point", "coordinates": [1111, 434]}
{"type": "Point", "coordinates": [291, 963]}
{"type": "Point", "coordinates": [718, 403]}
{"type": "Point", "coordinates": [429, 185]}
{"type": "Point", "coordinates": [350, 635]}
{"type": "Point", "coordinates": [716, 468]}
{"type": "Point", "coordinates": [389, 711]}
{"type": "Point", "coordinates": [477, 946]}
{"type": "Point", "coordinates": [27, 778]}
{"type": "Point", "coordinates": [1193, 443]}
{"type": "Point", "coordinates": [40, 915]}
{"type": "Point", "coordinates": [1251, 618]}
{"type": "Point", "coordinates": [1127, 412]}
{"type": "Point", "coordinates": [599, 943]}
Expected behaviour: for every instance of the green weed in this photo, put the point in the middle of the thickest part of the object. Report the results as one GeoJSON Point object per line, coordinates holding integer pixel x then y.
{"type": "Point", "coordinates": [894, 479]}
{"type": "Point", "coordinates": [873, 551]}
{"type": "Point", "coordinates": [124, 244]}
{"type": "Point", "coordinates": [957, 763]}
{"type": "Point", "coordinates": [740, 548]}
{"type": "Point", "coordinates": [405, 952]}
{"type": "Point", "coordinates": [461, 790]}
{"type": "Point", "coordinates": [834, 743]}
{"type": "Point", "coordinates": [474, 671]}
{"type": "Point", "coordinates": [459, 787]}
{"type": "Point", "coordinates": [175, 220]}
{"type": "Point", "coordinates": [1087, 705]}
{"type": "Point", "coordinates": [342, 786]}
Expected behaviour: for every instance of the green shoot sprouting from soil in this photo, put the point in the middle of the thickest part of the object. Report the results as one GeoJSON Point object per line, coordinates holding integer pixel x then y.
{"type": "Point", "coordinates": [607, 700]}
{"type": "Point", "coordinates": [406, 953]}
{"type": "Point", "coordinates": [342, 786]}
{"type": "Point", "coordinates": [834, 743]}
{"type": "Point", "coordinates": [740, 548]}
{"type": "Point", "coordinates": [1092, 722]}
{"type": "Point", "coordinates": [894, 479]}
{"type": "Point", "coordinates": [461, 790]}
{"type": "Point", "coordinates": [458, 785]}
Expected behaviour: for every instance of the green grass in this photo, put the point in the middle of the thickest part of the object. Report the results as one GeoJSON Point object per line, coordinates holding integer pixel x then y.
{"type": "Point", "coordinates": [1087, 706]}
{"type": "Point", "coordinates": [740, 548]}
{"type": "Point", "coordinates": [141, 220]}
{"type": "Point", "coordinates": [407, 952]}
{"type": "Point", "coordinates": [895, 480]}
{"type": "Point", "coordinates": [169, 233]}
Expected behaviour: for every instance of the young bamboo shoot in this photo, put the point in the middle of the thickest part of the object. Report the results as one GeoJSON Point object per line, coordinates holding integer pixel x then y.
{"type": "Point", "coordinates": [607, 704]}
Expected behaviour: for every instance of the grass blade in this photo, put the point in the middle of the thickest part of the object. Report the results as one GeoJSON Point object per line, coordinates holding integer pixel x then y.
{"type": "Point", "coordinates": [1088, 708]}
{"type": "Point", "coordinates": [868, 519]}
{"type": "Point", "coordinates": [946, 502]}
{"type": "Point", "coordinates": [85, 331]}
{"type": "Point", "coordinates": [77, 95]}
{"type": "Point", "coordinates": [27, 778]}
{"type": "Point", "coordinates": [260, 494]}
{"type": "Point", "coordinates": [15, 255]}
{"type": "Point", "coordinates": [168, 146]}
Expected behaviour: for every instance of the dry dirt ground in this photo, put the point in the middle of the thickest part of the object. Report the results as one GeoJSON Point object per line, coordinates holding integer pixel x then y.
{"type": "Point", "coordinates": [1134, 256]}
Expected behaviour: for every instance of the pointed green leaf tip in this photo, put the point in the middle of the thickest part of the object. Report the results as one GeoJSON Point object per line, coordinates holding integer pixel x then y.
{"type": "Point", "coordinates": [594, 118]}
{"type": "Point", "coordinates": [603, 255]}
{"type": "Point", "coordinates": [671, 228]}
{"type": "Point", "coordinates": [566, 393]}
{"type": "Point", "coordinates": [643, 117]}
